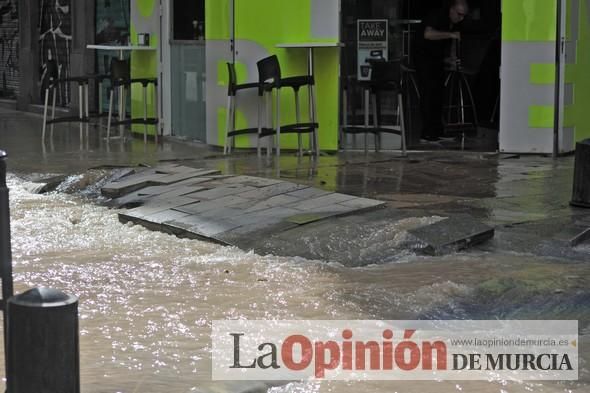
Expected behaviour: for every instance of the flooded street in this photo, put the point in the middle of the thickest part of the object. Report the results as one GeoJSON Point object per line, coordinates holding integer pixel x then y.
{"type": "Point", "coordinates": [147, 299]}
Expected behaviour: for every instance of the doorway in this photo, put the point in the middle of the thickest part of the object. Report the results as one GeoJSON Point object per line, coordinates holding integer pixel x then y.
{"type": "Point", "coordinates": [470, 114]}
{"type": "Point", "coordinates": [187, 69]}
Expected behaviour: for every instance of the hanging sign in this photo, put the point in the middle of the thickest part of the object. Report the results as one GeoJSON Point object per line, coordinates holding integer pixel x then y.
{"type": "Point", "coordinates": [372, 40]}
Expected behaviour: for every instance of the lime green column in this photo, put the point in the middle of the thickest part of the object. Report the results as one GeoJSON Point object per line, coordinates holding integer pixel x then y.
{"type": "Point", "coordinates": [261, 25]}
{"type": "Point", "coordinates": [144, 19]}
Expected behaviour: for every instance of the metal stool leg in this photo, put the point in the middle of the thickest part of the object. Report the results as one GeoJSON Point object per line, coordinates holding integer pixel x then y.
{"type": "Point", "coordinates": [298, 120]}
{"type": "Point", "coordinates": [112, 92]}
{"type": "Point", "coordinates": [227, 124]}
{"type": "Point", "coordinates": [278, 117]}
{"type": "Point", "coordinates": [145, 114]}
{"type": "Point", "coordinates": [156, 113]}
{"type": "Point", "coordinates": [402, 122]}
{"type": "Point", "coordinates": [54, 93]}
{"type": "Point", "coordinates": [367, 108]}
{"type": "Point", "coordinates": [258, 148]}
{"type": "Point", "coordinates": [343, 136]}
{"type": "Point", "coordinates": [87, 105]}
{"type": "Point", "coordinates": [314, 114]}
{"type": "Point", "coordinates": [81, 111]}
{"type": "Point", "coordinates": [375, 122]}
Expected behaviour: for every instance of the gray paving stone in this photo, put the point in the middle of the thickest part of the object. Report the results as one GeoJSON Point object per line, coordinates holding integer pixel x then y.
{"type": "Point", "coordinates": [452, 234]}
{"type": "Point", "coordinates": [574, 235]}
{"type": "Point", "coordinates": [246, 236]}
{"type": "Point", "coordinates": [165, 216]}
{"type": "Point", "coordinates": [185, 222]}
{"type": "Point", "coordinates": [201, 207]}
{"type": "Point", "coordinates": [174, 178]}
{"type": "Point", "coordinates": [273, 190]}
{"type": "Point", "coordinates": [279, 200]}
{"type": "Point", "coordinates": [179, 191]}
{"type": "Point", "coordinates": [130, 184]}
{"type": "Point", "coordinates": [222, 213]}
{"type": "Point", "coordinates": [362, 203]}
{"type": "Point", "coordinates": [252, 181]}
{"type": "Point", "coordinates": [309, 192]}
{"type": "Point", "coordinates": [220, 192]}
{"type": "Point", "coordinates": [151, 207]}
{"type": "Point", "coordinates": [211, 228]}
{"type": "Point", "coordinates": [324, 200]}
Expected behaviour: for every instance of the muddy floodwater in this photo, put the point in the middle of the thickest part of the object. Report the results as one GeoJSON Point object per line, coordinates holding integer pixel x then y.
{"type": "Point", "coordinates": [147, 299]}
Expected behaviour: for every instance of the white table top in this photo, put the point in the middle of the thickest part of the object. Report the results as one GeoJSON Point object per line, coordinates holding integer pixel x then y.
{"type": "Point", "coordinates": [310, 45]}
{"type": "Point", "coordinates": [120, 47]}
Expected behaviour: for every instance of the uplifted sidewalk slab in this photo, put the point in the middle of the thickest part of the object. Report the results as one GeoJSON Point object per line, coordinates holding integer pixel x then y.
{"type": "Point", "coordinates": [228, 209]}
{"type": "Point", "coordinates": [452, 234]}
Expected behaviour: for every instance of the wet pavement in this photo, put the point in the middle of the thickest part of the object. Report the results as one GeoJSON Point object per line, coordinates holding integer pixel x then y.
{"type": "Point", "coordinates": [147, 298]}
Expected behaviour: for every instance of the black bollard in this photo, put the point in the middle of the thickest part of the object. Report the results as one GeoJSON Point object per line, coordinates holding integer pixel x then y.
{"type": "Point", "coordinates": [581, 193]}
{"type": "Point", "coordinates": [5, 248]}
{"type": "Point", "coordinates": [42, 349]}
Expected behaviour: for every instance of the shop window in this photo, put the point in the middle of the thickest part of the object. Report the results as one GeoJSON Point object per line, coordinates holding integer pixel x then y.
{"type": "Point", "coordinates": [188, 20]}
{"type": "Point", "coordinates": [112, 22]}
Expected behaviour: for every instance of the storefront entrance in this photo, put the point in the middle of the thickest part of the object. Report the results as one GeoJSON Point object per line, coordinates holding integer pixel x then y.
{"type": "Point", "coordinates": [471, 97]}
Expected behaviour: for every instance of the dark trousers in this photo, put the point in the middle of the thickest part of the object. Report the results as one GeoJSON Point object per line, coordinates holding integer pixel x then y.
{"type": "Point", "coordinates": [432, 79]}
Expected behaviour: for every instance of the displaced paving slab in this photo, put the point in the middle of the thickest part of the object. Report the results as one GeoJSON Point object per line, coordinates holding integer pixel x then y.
{"type": "Point", "coordinates": [234, 210]}
{"type": "Point", "coordinates": [452, 234]}
{"type": "Point", "coordinates": [159, 176]}
{"type": "Point", "coordinates": [284, 218]}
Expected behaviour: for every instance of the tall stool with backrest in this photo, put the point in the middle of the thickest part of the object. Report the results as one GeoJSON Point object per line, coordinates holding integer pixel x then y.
{"type": "Point", "coordinates": [121, 80]}
{"type": "Point", "coordinates": [270, 80]}
{"type": "Point", "coordinates": [461, 114]}
{"type": "Point", "coordinates": [53, 84]}
{"type": "Point", "coordinates": [385, 78]}
{"type": "Point", "coordinates": [230, 130]}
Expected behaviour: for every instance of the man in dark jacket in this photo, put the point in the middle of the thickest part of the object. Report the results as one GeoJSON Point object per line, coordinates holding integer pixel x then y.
{"type": "Point", "coordinates": [440, 28]}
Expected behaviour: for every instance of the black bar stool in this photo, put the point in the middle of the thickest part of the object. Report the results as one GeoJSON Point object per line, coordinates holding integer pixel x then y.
{"type": "Point", "coordinates": [270, 79]}
{"type": "Point", "coordinates": [461, 113]}
{"type": "Point", "coordinates": [230, 130]}
{"type": "Point", "coordinates": [120, 79]}
{"type": "Point", "coordinates": [54, 82]}
{"type": "Point", "coordinates": [385, 78]}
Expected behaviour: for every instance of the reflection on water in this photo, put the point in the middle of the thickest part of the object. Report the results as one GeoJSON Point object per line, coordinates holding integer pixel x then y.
{"type": "Point", "coordinates": [147, 299]}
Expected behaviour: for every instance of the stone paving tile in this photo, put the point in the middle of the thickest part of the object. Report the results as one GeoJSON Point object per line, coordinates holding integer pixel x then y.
{"type": "Point", "coordinates": [185, 222]}
{"type": "Point", "coordinates": [308, 193]}
{"type": "Point", "coordinates": [222, 213]}
{"type": "Point", "coordinates": [362, 203]}
{"type": "Point", "coordinates": [269, 215]}
{"type": "Point", "coordinates": [279, 200]}
{"type": "Point", "coordinates": [220, 192]}
{"type": "Point", "coordinates": [454, 233]}
{"type": "Point", "coordinates": [174, 178]}
{"type": "Point", "coordinates": [174, 168]}
{"type": "Point", "coordinates": [201, 207]}
{"type": "Point", "coordinates": [130, 184]}
{"type": "Point", "coordinates": [274, 190]}
{"type": "Point", "coordinates": [242, 236]}
{"type": "Point", "coordinates": [179, 191]}
{"type": "Point", "coordinates": [324, 200]}
{"type": "Point", "coordinates": [252, 181]}
{"type": "Point", "coordinates": [211, 228]}
{"type": "Point", "coordinates": [133, 198]}
{"type": "Point", "coordinates": [165, 216]}
{"type": "Point", "coordinates": [152, 207]}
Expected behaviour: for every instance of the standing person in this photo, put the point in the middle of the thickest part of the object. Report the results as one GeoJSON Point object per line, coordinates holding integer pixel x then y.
{"type": "Point", "coordinates": [440, 28]}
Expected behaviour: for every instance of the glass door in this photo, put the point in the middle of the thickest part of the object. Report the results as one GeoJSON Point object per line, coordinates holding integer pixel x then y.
{"type": "Point", "coordinates": [187, 68]}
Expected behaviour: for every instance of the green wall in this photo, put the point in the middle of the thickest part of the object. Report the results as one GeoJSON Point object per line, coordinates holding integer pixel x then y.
{"type": "Point", "coordinates": [264, 24]}
{"type": "Point", "coordinates": [144, 19]}
{"type": "Point", "coordinates": [578, 72]}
